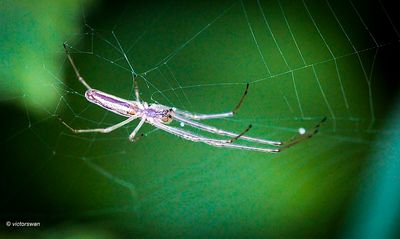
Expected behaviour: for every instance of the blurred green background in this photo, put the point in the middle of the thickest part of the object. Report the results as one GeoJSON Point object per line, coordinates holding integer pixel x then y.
{"type": "Point", "coordinates": [303, 59]}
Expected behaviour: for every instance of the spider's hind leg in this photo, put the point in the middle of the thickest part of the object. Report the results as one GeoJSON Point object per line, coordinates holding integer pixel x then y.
{"type": "Point", "coordinates": [78, 75]}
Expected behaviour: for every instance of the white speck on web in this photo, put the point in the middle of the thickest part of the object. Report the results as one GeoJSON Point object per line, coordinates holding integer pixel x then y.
{"type": "Point", "coordinates": [182, 124]}
{"type": "Point", "coordinates": [302, 131]}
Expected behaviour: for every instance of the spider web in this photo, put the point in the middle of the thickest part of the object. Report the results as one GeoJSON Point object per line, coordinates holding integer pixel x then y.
{"type": "Point", "coordinates": [304, 60]}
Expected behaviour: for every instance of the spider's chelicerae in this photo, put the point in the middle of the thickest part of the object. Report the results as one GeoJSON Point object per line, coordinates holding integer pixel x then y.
{"type": "Point", "coordinates": [160, 115]}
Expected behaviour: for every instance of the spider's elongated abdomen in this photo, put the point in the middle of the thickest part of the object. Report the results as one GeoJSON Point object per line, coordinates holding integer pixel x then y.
{"type": "Point", "coordinates": [112, 103]}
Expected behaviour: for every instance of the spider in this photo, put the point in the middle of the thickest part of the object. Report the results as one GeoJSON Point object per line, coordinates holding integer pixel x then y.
{"type": "Point", "coordinates": [160, 116]}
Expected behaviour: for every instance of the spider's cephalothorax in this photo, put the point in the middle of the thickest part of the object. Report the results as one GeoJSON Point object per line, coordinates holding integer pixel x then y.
{"type": "Point", "coordinates": [160, 113]}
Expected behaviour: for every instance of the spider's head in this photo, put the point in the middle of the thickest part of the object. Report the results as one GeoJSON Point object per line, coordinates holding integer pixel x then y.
{"type": "Point", "coordinates": [167, 116]}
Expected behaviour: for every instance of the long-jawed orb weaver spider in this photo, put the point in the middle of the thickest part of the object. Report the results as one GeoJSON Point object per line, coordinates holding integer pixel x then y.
{"type": "Point", "coordinates": [160, 115]}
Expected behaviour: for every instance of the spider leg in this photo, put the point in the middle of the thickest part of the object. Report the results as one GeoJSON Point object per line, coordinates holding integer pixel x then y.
{"type": "Point", "coordinates": [134, 132]}
{"type": "Point", "coordinates": [99, 130]}
{"type": "Point", "coordinates": [214, 130]}
{"type": "Point", "coordinates": [302, 137]}
{"type": "Point", "coordinates": [241, 134]}
{"type": "Point", "coordinates": [213, 142]}
{"type": "Point", "coordinates": [78, 75]}
{"type": "Point", "coordinates": [286, 144]}
{"type": "Point", "coordinates": [193, 137]}
{"type": "Point", "coordinates": [214, 116]}
{"type": "Point", "coordinates": [245, 147]}
{"type": "Point", "coordinates": [137, 138]}
{"type": "Point", "coordinates": [135, 85]}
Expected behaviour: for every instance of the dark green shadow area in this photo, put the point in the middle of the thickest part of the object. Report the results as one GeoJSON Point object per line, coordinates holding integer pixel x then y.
{"type": "Point", "coordinates": [303, 61]}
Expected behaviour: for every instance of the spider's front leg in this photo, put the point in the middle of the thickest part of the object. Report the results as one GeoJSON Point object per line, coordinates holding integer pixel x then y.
{"type": "Point", "coordinates": [214, 116]}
